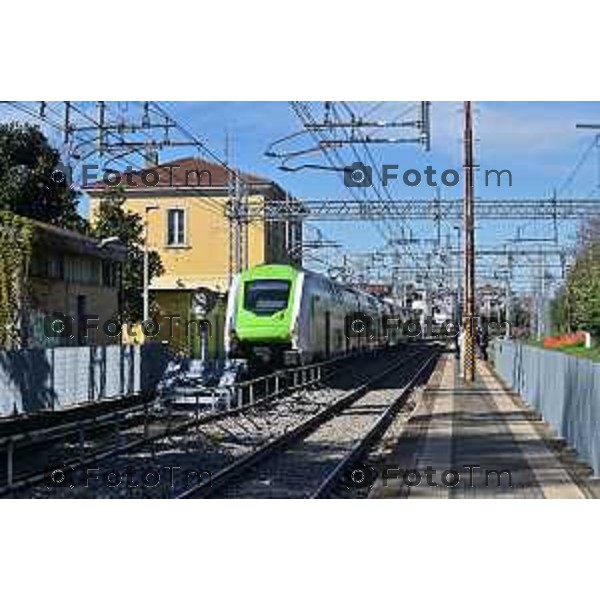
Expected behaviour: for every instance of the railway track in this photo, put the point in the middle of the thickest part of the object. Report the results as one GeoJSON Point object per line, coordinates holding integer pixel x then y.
{"type": "Point", "coordinates": [200, 443]}
{"type": "Point", "coordinates": [310, 459]}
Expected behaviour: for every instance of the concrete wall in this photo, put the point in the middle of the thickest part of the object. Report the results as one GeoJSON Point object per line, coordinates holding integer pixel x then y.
{"type": "Point", "coordinates": [564, 389]}
{"type": "Point", "coordinates": [56, 378]}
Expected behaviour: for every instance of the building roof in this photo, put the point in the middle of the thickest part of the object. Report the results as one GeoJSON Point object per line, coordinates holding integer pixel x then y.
{"type": "Point", "coordinates": [73, 241]}
{"type": "Point", "coordinates": [191, 172]}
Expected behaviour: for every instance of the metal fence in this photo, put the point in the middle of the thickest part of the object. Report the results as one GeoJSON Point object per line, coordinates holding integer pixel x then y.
{"type": "Point", "coordinates": [55, 378]}
{"type": "Point", "coordinates": [564, 389]}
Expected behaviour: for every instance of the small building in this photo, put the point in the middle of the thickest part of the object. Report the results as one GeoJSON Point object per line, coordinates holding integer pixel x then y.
{"type": "Point", "coordinates": [72, 275]}
{"type": "Point", "coordinates": [491, 301]}
{"type": "Point", "coordinates": [184, 204]}
{"type": "Point", "coordinates": [378, 289]}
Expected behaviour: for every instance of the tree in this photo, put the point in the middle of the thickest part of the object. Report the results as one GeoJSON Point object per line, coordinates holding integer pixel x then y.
{"type": "Point", "coordinates": [577, 305]}
{"type": "Point", "coordinates": [584, 290]}
{"type": "Point", "coordinates": [520, 314]}
{"type": "Point", "coordinates": [27, 185]}
{"type": "Point", "coordinates": [559, 311]}
{"type": "Point", "coordinates": [112, 219]}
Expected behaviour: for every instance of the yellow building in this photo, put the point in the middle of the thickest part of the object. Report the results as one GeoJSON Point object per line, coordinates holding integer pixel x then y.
{"type": "Point", "coordinates": [184, 204]}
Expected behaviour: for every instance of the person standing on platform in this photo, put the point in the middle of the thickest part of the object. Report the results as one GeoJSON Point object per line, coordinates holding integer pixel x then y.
{"type": "Point", "coordinates": [482, 341]}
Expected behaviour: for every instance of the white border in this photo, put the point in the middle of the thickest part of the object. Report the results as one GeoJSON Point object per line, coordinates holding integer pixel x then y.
{"type": "Point", "coordinates": [309, 50]}
{"type": "Point", "coordinates": [276, 50]}
{"type": "Point", "coordinates": [298, 549]}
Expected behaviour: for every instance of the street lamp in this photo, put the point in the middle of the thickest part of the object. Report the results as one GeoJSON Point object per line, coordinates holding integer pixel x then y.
{"type": "Point", "coordinates": [109, 240]}
{"type": "Point", "coordinates": [147, 209]}
{"type": "Point", "coordinates": [113, 239]}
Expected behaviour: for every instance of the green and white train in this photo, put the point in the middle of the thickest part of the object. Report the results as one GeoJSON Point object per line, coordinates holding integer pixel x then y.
{"type": "Point", "coordinates": [281, 314]}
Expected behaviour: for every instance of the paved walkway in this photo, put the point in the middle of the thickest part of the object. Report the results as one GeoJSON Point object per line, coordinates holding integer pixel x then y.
{"type": "Point", "coordinates": [474, 441]}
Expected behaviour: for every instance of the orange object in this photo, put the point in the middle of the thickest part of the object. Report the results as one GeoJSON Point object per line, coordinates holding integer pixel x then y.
{"type": "Point", "coordinates": [569, 339]}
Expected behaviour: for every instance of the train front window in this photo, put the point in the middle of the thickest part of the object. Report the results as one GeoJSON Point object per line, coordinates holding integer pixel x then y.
{"type": "Point", "coordinates": [265, 297]}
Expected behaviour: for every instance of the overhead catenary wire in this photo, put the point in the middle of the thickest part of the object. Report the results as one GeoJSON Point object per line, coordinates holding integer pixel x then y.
{"type": "Point", "coordinates": [213, 205]}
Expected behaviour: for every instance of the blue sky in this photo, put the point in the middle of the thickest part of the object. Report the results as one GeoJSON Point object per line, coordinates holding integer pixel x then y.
{"type": "Point", "coordinates": [537, 141]}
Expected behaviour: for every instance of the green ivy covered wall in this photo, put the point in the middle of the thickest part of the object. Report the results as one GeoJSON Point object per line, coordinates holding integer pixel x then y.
{"type": "Point", "coordinates": [16, 234]}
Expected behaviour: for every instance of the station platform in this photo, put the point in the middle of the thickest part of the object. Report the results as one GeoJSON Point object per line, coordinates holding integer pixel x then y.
{"type": "Point", "coordinates": [478, 440]}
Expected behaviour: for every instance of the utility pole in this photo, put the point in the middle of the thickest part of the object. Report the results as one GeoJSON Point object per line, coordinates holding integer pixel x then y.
{"type": "Point", "coordinates": [67, 124]}
{"type": "Point", "coordinates": [541, 307]}
{"type": "Point", "coordinates": [287, 231]}
{"type": "Point", "coordinates": [146, 285]}
{"type": "Point", "coordinates": [100, 142]}
{"type": "Point", "coordinates": [239, 228]}
{"type": "Point", "coordinates": [507, 306]}
{"type": "Point", "coordinates": [243, 195]}
{"type": "Point", "coordinates": [450, 268]}
{"type": "Point", "coordinates": [468, 354]}
{"type": "Point", "coordinates": [232, 209]}
{"type": "Point", "coordinates": [508, 312]}
{"type": "Point", "coordinates": [459, 294]}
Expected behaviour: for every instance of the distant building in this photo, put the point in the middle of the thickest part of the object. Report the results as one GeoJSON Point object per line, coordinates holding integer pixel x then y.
{"type": "Point", "coordinates": [378, 289]}
{"type": "Point", "coordinates": [491, 301]}
{"type": "Point", "coordinates": [75, 276]}
{"type": "Point", "coordinates": [439, 305]}
{"type": "Point", "coordinates": [184, 203]}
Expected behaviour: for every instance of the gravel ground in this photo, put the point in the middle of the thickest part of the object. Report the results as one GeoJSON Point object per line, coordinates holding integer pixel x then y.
{"type": "Point", "coordinates": [298, 471]}
{"type": "Point", "coordinates": [170, 465]}
{"type": "Point", "coordinates": [379, 453]}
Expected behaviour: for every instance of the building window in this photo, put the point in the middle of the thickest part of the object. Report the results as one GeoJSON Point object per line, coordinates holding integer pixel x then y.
{"type": "Point", "coordinates": [80, 269]}
{"type": "Point", "coordinates": [46, 266]}
{"type": "Point", "coordinates": [110, 273]}
{"type": "Point", "coordinates": [175, 227]}
{"type": "Point", "coordinates": [55, 267]}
